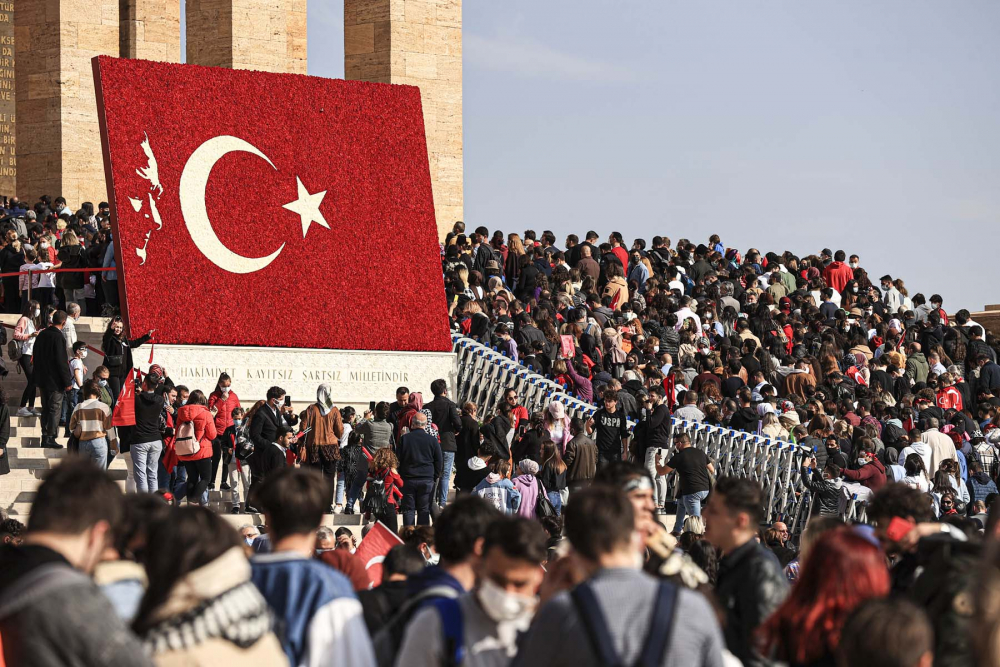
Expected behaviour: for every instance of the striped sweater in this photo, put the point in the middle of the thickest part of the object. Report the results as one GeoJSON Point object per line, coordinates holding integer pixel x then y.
{"type": "Point", "coordinates": [92, 420]}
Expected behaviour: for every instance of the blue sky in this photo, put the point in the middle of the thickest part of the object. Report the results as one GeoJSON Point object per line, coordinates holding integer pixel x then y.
{"type": "Point", "coordinates": [866, 126]}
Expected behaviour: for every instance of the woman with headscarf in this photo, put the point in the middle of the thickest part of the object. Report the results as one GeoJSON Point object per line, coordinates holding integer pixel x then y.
{"type": "Point", "coordinates": [526, 483]}
{"type": "Point", "coordinates": [322, 442]}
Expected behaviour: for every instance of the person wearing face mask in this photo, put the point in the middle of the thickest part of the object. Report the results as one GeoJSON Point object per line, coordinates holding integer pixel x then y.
{"type": "Point", "coordinates": [79, 372]}
{"type": "Point", "coordinates": [234, 452]}
{"type": "Point", "coordinates": [264, 426]}
{"type": "Point", "coordinates": [601, 580]}
{"type": "Point", "coordinates": [48, 601]}
{"type": "Point", "coordinates": [870, 472]}
{"type": "Point", "coordinates": [480, 628]}
{"type": "Point", "coordinates": [25, 332]}
{"type": "Point", "coordinates": [224, 400]}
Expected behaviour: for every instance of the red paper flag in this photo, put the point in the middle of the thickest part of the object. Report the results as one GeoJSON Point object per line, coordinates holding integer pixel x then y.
{"type": "Point", "coordinates": [373, 549]}
{"type": "Point", "coordinates": [243, 199]}
{"type": "Point", "coordinates": [124, 414]}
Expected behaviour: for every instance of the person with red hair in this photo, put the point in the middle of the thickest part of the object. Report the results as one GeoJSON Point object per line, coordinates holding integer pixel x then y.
{"type": "Point", "coordinates": [843, 570]}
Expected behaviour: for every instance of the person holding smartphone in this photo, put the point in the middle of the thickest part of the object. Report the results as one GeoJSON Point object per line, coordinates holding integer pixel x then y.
{"type": "Point", "coordinates": [264, 428]}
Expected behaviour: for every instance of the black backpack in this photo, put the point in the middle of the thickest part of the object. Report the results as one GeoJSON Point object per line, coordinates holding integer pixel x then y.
{"type": "Point", "coordinates": [377, 498]}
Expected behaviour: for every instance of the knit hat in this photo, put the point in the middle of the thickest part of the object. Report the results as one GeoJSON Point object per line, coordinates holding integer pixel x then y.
{"type": "Point", "coordinates": [528, 466]}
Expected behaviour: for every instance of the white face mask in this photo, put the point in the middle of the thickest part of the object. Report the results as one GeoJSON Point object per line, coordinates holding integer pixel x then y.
{"type": "Point", "coordinates": [862, 461]}
{"type": "Point", "coordinates": [430, 557]}
{"type": "Point", "coordinates": [503, 606]}
{"type": "Point", "coordinates": [37, 312]}
{"type": "Point", "coordinates": [854, 265]}
{"type": "Point", "coordinates": [45, 246]}
{"type": "Point", "coordinates": [83, 355]}
{"type": "Point", "coordinates": [225, 391]}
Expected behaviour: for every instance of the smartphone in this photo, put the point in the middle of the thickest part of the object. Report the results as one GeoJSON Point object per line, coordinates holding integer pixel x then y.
{"type": "Point", "coordinates": [288, 401]}
{"type": "Point", "coordinates": [371, 406]}
{"type": "Point", "coordinates": [898, 528]}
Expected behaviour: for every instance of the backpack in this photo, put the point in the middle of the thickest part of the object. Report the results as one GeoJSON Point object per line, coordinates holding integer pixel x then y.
{"type": "Point", "coordinates": [387, 640]}
{"type": "Point", "coordinates": [186, 443]}
{"type": "Point", "coordinates": [14, 350]}
{"type": "Point", "coordinates": [243, 445]}
{"type": "Point", "coordinates": [377, 498]}
{"type": "Point", "coordinates": [654, 647]}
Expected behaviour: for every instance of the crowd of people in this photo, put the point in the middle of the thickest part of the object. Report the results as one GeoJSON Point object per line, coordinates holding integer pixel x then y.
{"type": "Point", "coordinates": [530, 538]}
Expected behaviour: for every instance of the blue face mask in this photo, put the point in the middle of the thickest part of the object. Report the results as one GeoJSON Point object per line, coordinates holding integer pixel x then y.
{"type": "Point", "coordinates": [237, 422]}
{"type": "Point", "coordinates": [103, 383]}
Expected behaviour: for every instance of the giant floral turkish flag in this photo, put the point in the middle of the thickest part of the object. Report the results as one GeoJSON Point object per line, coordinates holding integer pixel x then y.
{"type": "Point", "coordinates": [252, 208]}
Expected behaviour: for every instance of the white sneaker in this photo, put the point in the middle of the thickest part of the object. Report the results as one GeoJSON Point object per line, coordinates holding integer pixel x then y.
{"type": "Point", "coordinates": [37, 411]}
{"type": "Point", "coordinates": [25, 412]}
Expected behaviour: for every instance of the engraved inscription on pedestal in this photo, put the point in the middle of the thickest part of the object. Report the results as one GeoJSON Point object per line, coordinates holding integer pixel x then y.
{"type": "Point", "coordinates": [8, 156]}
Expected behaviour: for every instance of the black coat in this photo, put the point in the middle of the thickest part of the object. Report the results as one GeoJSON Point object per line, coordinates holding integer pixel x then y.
{"type": "Point", "coordinates": [445, 415]}
{"type": "Point", "coordinates": [269, 460]}
{"type": "Point", "coordinates": [467, 447]}
{"type": "Point", "coordinates": [71, 257]}
{"type": "Point", "coordinates": [51, 361]}
{"type": "Point", "coordinates": [115, 348]}
{"type": "Point", "coordinates": [4, 438]}
{"type": "Point", "coordinates": [264, 427]}
{"type": "Point", "coordinates": [751, 585]}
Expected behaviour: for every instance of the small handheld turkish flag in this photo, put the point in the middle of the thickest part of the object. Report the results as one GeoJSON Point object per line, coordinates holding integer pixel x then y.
{"type": "Point", "coordinates": [373, 549]}
{"type": "Point", "coordinates": [244, 200]}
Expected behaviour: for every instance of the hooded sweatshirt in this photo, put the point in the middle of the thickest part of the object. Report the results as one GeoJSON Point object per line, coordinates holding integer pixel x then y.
{"type": "Point", "coordinates": [527, 485]}
{"type": "Point", "coordinates": [501, 492]}
{"type": "Point", "coordinates": [148, 405]}
{"type": "Point", "coordinates": [477, 472]}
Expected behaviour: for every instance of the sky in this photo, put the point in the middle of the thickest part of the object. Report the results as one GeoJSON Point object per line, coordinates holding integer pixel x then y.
{"type": "Point", "coordinates": [868, 127]}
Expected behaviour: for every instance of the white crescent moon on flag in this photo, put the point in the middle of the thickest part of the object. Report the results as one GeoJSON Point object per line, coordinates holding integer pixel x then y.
{"type": "Point", "coordinates": [374, 561]}
{"type": "Point", "coordinates": [194, 181]}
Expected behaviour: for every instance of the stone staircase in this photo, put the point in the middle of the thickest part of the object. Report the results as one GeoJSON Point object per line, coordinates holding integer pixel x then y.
{"type": "Point", "coordinates": [29, 462]}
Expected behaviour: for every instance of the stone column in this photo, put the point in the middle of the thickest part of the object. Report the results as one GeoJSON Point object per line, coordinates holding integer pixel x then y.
{"type": "Point", "coordinates": [417, 42]}
{"type": "Point", "coordinates": [266, 35]}
{"type": "Point", "coordinates": [150, 29]}
{"type": "Point", "coordinates": [59, 144]}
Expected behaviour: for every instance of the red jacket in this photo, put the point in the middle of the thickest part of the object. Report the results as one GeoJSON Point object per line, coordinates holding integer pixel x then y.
{"type": "Point", "coordinates": [837, 275]}
{"type": "Point", "coordinates": [204, 429]}
{"type": "Point", "coordinates": [224, 419]}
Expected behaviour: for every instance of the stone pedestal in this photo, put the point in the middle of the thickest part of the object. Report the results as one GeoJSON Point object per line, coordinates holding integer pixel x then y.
{"type": "Point", "coordinates": [59, 144]}
{"type": "Point", "coordinates": [266, 35]}
{"type": "Point", "coordinates": [355, 377]}
{"type": "Point", "coordinates": [417, 42]}
{"type": "Point", "coordinates": [150, 29]}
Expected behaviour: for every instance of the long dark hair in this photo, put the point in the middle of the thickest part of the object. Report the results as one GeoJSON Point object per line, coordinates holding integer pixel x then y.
{"type": "Point", "coordinates": [29, 312]}
{"type": "Point", "coordinates": [222, 378]}
{"type": "Point", "coordinates": [183, 541]}
{"type": "Point", "coordinates": [550, 457]}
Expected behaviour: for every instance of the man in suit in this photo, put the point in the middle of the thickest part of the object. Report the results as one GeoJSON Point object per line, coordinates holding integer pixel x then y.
{"type": "Point", "coordinates": [52, 376]}
{"type": "Point", "coordinates": [274, 457]}
{"type": "Point", "coordinates": [445, 415]}
{"type": "Point", "coordinates": [264, 432]}
{"type": "Point", "coordinates": [419, 465]}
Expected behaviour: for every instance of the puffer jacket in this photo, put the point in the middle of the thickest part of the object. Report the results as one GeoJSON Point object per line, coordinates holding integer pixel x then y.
{"type": "Point", "coordinates": [204, 429]}
{"type": "Point", "coordinates": [751, 586]}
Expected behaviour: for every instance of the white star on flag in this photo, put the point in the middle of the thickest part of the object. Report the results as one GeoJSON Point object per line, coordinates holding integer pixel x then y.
{"type": "Point", "coordinates": [307, 207]}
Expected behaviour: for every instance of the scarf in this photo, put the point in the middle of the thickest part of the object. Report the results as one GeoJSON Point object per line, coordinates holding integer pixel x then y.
{"type": "Point", "coordinates": [239, 615]}
{"type": "Point", "coordinates": [323, 399]}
